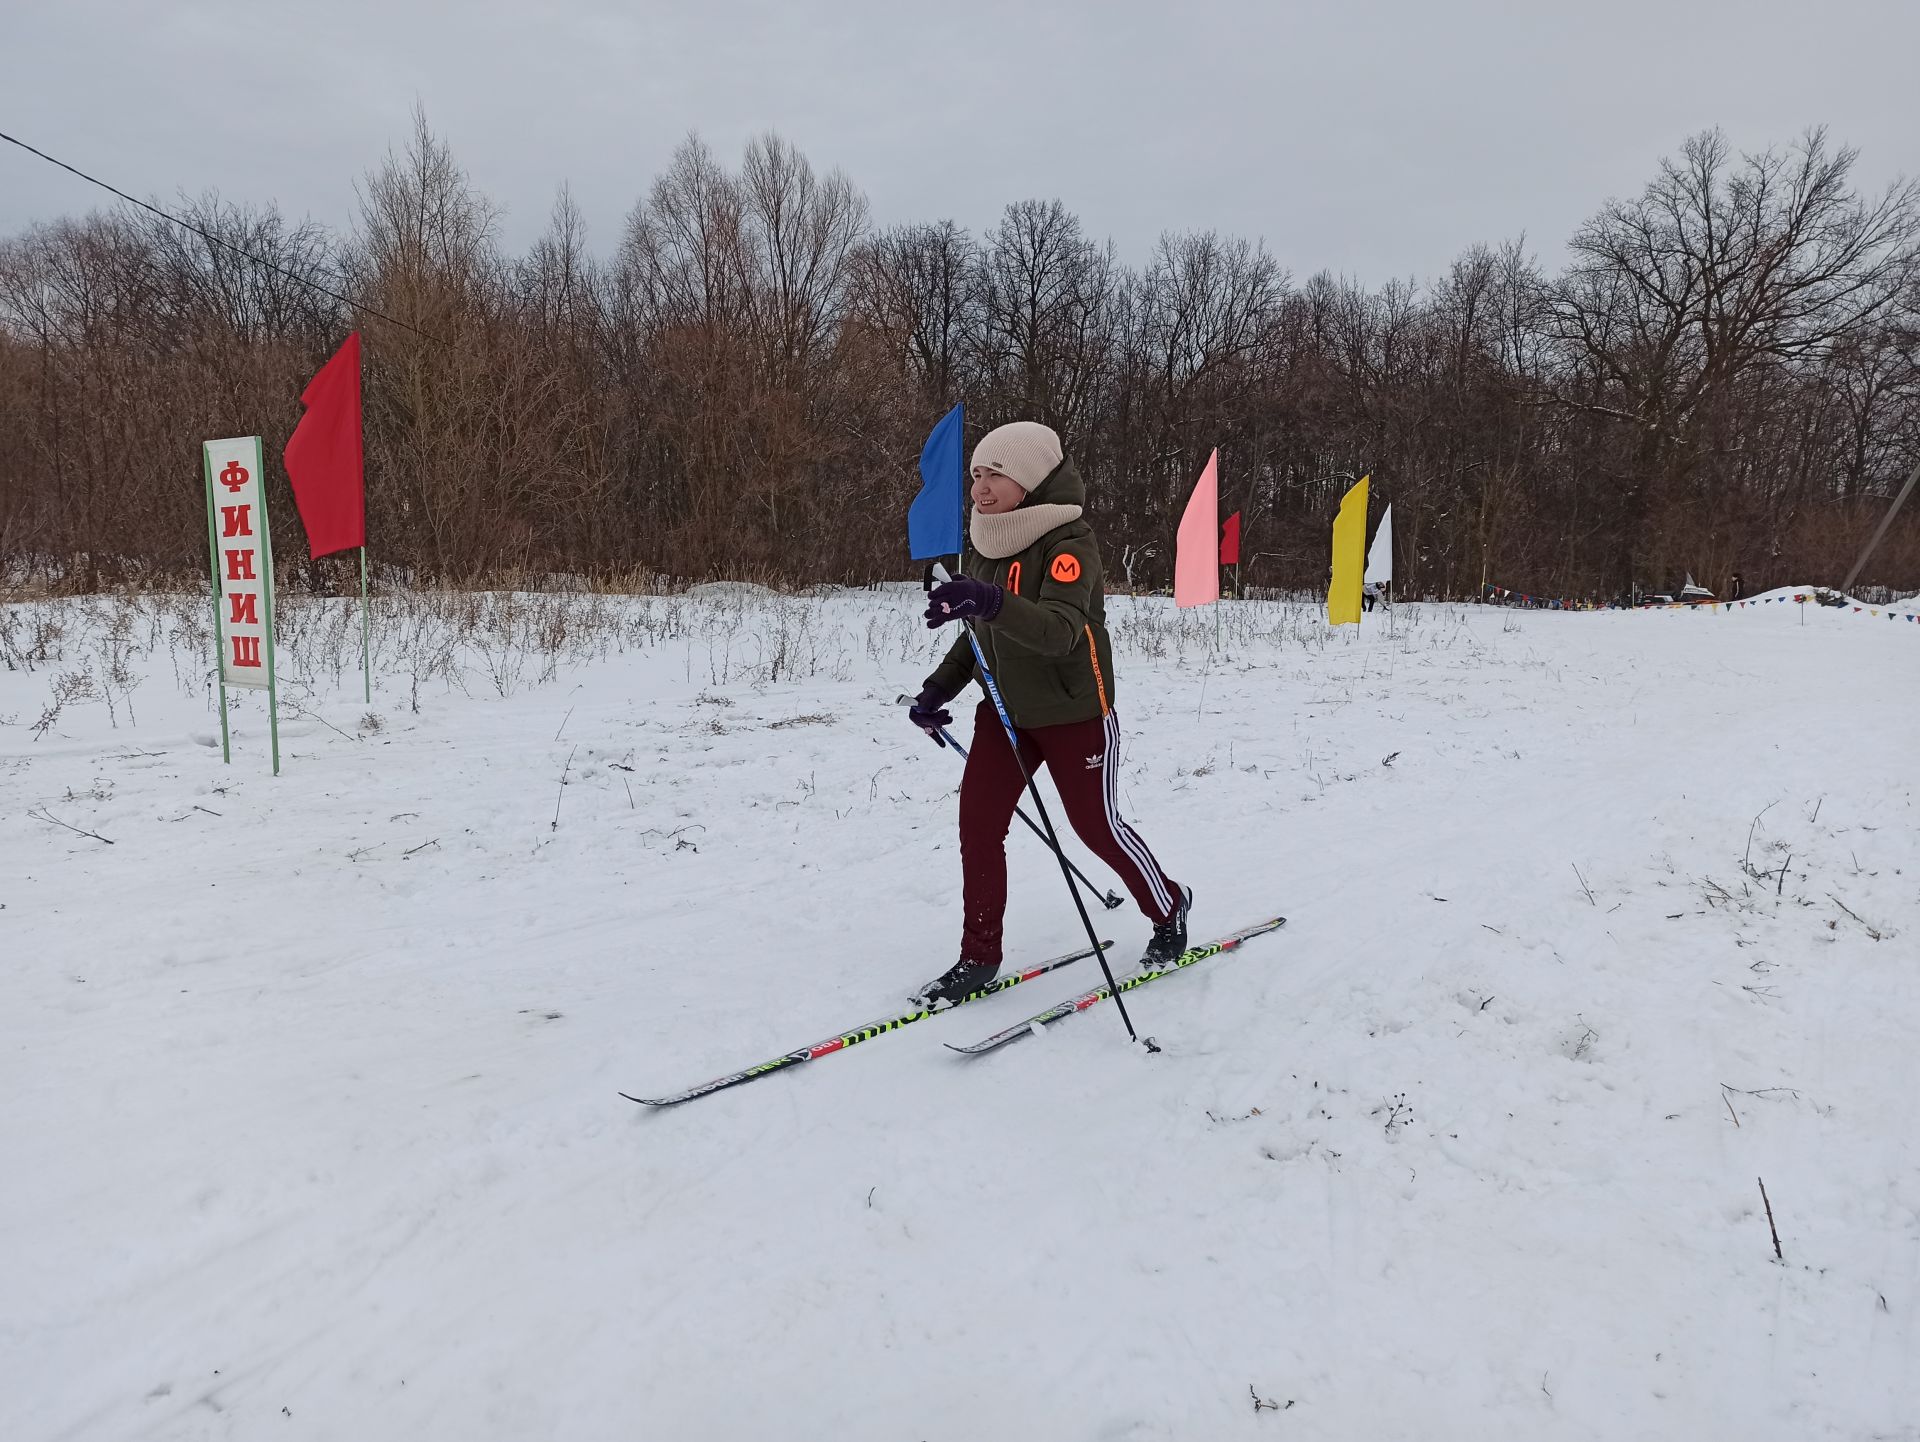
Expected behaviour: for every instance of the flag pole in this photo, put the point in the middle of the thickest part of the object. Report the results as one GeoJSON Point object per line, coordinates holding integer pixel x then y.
{"type": "Point", "coordinates": [219, 664]}
{"type": "Point", "coordinates": [966, 484]}
{"type": "Point", "coordinates": [366, 631]}
{"type": "Point", "coordinates": [266, 556]}
{"type": "Point", "coordinates": [1219, 582]}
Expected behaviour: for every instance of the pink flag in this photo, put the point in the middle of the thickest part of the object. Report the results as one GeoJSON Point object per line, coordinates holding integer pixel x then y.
{"type": "Point", "coordinates": [1196, 549]}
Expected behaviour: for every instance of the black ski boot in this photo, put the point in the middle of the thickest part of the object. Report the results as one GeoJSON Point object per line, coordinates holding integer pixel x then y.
{"type": "Point", "coordinates": [960, 982]}
{"type": "Point", "coordinates": [1170, 936]}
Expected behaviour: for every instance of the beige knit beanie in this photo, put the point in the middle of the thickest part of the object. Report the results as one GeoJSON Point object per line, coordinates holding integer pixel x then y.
{"type": "Point", "coordinates": [1025, 451]}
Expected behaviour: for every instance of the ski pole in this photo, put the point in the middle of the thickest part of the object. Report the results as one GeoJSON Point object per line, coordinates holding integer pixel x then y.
{"type": "Point", "coordinates": [947, 738]}
{"type": "Point", "coordinates": [1040, 805]}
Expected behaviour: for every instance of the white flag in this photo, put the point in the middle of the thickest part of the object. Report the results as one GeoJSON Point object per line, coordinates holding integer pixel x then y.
{"type": "Point", "coordinates": [1380, 557]}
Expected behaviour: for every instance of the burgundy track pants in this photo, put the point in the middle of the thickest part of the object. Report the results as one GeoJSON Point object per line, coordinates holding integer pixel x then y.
{"type": "Point", "coordinates": [1081, 757]}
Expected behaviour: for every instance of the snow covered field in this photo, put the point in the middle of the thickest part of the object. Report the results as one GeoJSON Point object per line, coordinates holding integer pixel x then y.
{"type": "Point", "coordinates": [307, 1086]}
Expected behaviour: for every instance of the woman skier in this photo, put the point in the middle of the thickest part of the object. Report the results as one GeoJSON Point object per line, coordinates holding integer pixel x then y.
{"type": "Point", "coordinates": [1031, 586]}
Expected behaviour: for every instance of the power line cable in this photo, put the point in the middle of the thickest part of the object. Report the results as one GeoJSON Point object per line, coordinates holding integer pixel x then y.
{"type": "Point", "coordinates": [223, 244]}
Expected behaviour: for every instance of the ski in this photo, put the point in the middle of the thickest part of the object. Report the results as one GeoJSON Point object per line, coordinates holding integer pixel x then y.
{"type": "Point", "coordinates": [842, 1040]}
{"type": "Point", "coordinates": [1127, 983]}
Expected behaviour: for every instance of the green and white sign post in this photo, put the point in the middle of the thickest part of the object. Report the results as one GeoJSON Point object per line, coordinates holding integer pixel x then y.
{"type": "Point", "coordinates": [241, 553]}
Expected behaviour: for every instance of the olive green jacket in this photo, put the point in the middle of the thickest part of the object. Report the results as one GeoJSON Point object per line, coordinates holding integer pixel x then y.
{"type": "Point", "coordinates": [1047, 646]}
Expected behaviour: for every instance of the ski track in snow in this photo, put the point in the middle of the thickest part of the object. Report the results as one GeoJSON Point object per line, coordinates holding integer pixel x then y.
{"type": "Point", "coordinates": [312, 1138]}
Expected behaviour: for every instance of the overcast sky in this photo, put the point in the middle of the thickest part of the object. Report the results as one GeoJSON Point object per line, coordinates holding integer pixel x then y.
{"type": "Point", "coordinates": [1374, 140]}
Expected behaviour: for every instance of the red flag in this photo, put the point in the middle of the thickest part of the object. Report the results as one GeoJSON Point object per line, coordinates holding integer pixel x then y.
{"type": "Point", "coordinates": [323, 456]}
{"type": "Point", "coordinates": [1230, 542]}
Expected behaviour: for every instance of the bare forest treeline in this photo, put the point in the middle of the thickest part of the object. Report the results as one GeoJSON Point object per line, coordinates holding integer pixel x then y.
{"type": "Point", "coordinates": [1726, 376]}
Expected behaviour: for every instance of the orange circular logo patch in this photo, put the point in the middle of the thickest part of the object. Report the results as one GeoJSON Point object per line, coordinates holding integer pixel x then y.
{"type": "Point", "coordinates": [1066, 569]}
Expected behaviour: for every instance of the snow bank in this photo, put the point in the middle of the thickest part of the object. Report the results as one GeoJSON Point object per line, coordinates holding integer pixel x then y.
{"type": "Point", "coordinates": [1792, 593]}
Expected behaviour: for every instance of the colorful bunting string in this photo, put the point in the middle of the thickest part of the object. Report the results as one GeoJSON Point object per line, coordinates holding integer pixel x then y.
{"type": "Point", "coordinates": [1543, 603]}
{"type": "Point", "coordinates": [1892, 613]}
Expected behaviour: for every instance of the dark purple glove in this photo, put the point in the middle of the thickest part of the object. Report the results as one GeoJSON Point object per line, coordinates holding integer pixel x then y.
{"type": "Point", "coordinates": [963, 599]}
{"type": "Point", "coordinates": [929, 713]}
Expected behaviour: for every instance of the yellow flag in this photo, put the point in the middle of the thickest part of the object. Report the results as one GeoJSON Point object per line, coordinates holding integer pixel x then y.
{"type": "Point", "coordinates": [1349, 556]}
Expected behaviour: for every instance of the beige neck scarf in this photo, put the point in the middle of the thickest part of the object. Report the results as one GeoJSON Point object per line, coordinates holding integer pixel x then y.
{"type": "Point", "coordinates": [1011, 532]}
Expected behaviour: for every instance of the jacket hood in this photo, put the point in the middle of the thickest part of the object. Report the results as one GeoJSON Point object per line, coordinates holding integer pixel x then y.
{"type": "Point", "coordinates": [1062, 487]}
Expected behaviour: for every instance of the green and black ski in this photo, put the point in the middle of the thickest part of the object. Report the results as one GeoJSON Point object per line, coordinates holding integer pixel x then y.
{"type": "Point", "coordinates": [842, 1040]}
{"type": "Point", "coordinates": [1080, 1003]}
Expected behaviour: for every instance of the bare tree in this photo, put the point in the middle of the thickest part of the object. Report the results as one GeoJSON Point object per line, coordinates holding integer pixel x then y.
{"type": "Point", "coordinates": [1045, 292]}
{"type": "Point", "coordinates": [1716, 267]}
{"type": "Point", "coordinates": [917, 285]}
{"type": "Point", "coordinates": [1726, 375]}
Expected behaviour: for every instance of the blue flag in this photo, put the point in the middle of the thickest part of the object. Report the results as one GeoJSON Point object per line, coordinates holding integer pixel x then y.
{"type": "Point", "coordinates": [933, 520]}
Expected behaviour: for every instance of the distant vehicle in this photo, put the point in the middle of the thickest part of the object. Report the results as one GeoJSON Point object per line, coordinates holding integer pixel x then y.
{"type": "Point", "coordinates": [1694, 595]}
{"type": "Point", "coordinates": [1688, 595]}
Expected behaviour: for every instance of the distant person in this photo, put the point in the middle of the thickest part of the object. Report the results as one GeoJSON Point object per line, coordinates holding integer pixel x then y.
{"type": "Point", "coordinates": [1736, 588]}
{"type": "Point", "coordinates": [1369, 593]}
